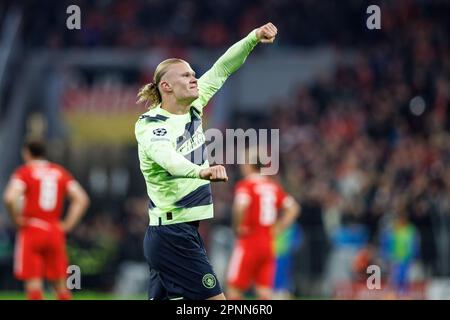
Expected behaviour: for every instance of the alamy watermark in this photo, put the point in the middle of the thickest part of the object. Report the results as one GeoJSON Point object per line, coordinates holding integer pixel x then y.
{"type": "Point", "coordinates": [236, 146]}
{"type": "Point", "coordinates": [374, 20]}
{"type": "Point", "coordinates": [374, 280]}
{"type": "Point", "coordinates": [74, 279]}
{"type": "Point", "coordinates": [73, 21]}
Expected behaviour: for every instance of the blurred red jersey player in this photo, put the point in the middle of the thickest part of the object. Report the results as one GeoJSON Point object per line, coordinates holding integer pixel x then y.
{"type": "Point", "coordinates": [258, 199]}
{"type": "Point", "coordinates": [40, 250]}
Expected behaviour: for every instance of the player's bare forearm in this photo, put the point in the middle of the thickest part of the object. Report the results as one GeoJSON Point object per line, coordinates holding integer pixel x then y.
{"type": "Point", "coordinates": [238, 216]}
{"type": "Point", "coordinates": [75, 213]}
{"type": "Point", "coordinates": [14, 214]}
{"type": "Point", "coordinates": [10, 198]}
{"type": "Point", "coordinates": [77, 209]}
{"type": "Point", "coordinates": [289, 215]}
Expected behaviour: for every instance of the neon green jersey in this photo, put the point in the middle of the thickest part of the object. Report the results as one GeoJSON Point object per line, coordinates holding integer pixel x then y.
{"type": "Point", "coordinates": [172, 148]}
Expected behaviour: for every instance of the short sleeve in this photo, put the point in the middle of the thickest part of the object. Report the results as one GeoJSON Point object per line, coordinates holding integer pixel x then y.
{"type": "Point", "coordinates": [20, 177]}
{"type": "Point", "coordinates": [67, 178]}
{"type": "Point", "coordinates": [284, 200]}
{"type": "Point", "coordinates": [242, 194]}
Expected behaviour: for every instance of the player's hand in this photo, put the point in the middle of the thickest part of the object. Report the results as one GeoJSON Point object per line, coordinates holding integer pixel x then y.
{"type": "Point", "coordinates": [276, 229]}
{"type": "Point", "coordinates": [64, 227]}
{"type": "Point", "coordinates": [266, 33]}
{"type": "Point", "coordinates": [214, 174]}
{"type": "Point", "coordinates": [19, 221]}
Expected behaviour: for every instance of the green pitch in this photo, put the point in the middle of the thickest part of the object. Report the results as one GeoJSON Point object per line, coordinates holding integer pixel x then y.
{"type": "Point", "coordinates": [88, 295]}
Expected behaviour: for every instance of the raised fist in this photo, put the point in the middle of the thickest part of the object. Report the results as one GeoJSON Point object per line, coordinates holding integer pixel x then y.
{"type": "Point", "coordinates": [266, 33]}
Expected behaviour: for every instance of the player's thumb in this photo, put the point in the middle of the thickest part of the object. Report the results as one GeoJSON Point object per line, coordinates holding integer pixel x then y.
{"type": "Point", "coordinates": [268, 40]}
{"type": "Point", "coordinates": [205, 174]}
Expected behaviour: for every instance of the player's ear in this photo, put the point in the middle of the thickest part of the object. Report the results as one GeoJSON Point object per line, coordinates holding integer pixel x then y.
{"type": "Point", "coordinates": [165, 86]}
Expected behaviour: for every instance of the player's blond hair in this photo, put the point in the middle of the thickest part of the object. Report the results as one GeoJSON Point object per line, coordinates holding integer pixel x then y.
{"type": "Point", "coordinates": [149, 93]}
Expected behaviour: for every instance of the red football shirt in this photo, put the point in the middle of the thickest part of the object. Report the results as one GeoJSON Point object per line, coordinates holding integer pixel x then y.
{"type": "Point", "coordinates": [264, 199]}
{"type": "Point", "coordinates": [45, 187]}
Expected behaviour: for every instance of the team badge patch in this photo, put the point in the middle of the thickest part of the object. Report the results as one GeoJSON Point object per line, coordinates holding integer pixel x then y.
{"type": "Point", "coordinates": [160, 132]}
{"type": "Point", "coordinates": [209, 281]}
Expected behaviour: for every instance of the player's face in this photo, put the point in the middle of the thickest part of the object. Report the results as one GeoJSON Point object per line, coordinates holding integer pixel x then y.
{"type": "Point", "coordinates": [182, 82]}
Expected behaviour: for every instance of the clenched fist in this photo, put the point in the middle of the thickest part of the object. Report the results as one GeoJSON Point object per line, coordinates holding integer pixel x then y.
{"type": "Point", "coordinates": [214, 174]}
{"type": "Point", "coordinates": [266, 33]}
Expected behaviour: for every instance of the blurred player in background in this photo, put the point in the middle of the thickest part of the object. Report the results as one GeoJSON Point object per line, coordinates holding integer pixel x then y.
{"type": "Point", "coordinates": [258, 199]}
{"type": "Point", "coordinates": [40, 250]}
{"type": "Point", "coordinates": [399, 249]}
{"type": "Point", "coordinates": [171, 146]}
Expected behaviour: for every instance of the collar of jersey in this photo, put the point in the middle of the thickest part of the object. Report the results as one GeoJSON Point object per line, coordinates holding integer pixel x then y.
{"type": "Point", "coordinates": [38, 162]}
{"type": "Point", "coordinates": [166, 113]}
{"type": "Point", "coordinates": [255, 176]}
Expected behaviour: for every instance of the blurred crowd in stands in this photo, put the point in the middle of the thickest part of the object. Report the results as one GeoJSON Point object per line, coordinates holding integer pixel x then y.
{"type": "Point", "coordinates": [171, 23]}
{"type": "Point", "coordinates": [366, 151]}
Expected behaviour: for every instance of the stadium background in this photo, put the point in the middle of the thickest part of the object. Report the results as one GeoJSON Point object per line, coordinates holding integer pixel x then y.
{"type": "Point", "coordinates": [363, 117]}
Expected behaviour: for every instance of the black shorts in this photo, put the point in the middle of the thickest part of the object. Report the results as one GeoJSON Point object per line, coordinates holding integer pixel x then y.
{"type": "Point", "coordinates": [179, 267]}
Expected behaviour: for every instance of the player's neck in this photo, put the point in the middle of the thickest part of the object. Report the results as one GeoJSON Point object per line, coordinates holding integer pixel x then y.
{"type": "Point", "coordinates": [254, 175]}
{"type": "Point", "coordinates": [36, 161]}
{"type": "Point", "coordinates": [176, 107]}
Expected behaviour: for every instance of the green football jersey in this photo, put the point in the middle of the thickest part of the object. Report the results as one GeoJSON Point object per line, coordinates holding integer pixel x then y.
{"type": "Point", "coordinates": [172, 148]}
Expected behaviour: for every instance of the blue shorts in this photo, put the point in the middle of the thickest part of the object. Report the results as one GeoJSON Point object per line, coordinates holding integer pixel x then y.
{"type": "Point", "coordinates": [179, 267]}
{"type": "Point", "coordinates": [283, 275]}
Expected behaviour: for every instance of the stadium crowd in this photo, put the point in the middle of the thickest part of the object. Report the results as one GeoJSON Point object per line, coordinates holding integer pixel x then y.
{"type": "Point", "coordinates": [178, 24]}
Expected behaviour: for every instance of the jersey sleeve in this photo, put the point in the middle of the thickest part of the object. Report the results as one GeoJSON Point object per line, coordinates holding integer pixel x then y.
{"type": "Point", "coordinates": [229, 62]}
{"type": "Point", "coordinates": [159, 145]}
{"type": "Point", "coordinates": [67, 178]}
{"type": "Point", "coordinates": [20, 177]}
{"type": "Point", "coordinates": [284, 200]}
{"type": "Point", "coordinates": [242, 194]}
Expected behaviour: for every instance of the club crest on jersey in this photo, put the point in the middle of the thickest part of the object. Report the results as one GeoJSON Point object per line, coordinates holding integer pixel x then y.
{"type": "Point", "coordinates": [209, 281]}
{"type": "Point", "coordinates": [160, 132]}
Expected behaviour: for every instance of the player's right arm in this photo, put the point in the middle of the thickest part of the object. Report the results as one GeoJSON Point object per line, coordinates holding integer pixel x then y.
{"type": "Point", "coordinates": [79, 202]}
{"type": "Point", "coordinates": [290, 211]}
{"type": "Point", "coordinates": [14, 190]}
{"type": "Point", "coordinates": [230, 62]}
{"type": "Point", "coordinates": [241, 202]}
{"type": "Point", "coordinates": [159, 147]}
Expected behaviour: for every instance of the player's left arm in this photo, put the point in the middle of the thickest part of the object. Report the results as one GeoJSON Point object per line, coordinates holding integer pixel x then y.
{"type": "Point", "coordinates": [230, 61]}
{"type": "Point", "coordinates": [290, 211]}
{"type": "Point", "coordinates": [79, 202]}
{"type": "Point", "coordinates": [241, 202]}
{"type": "Point", "coordinates": [11, 196]}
